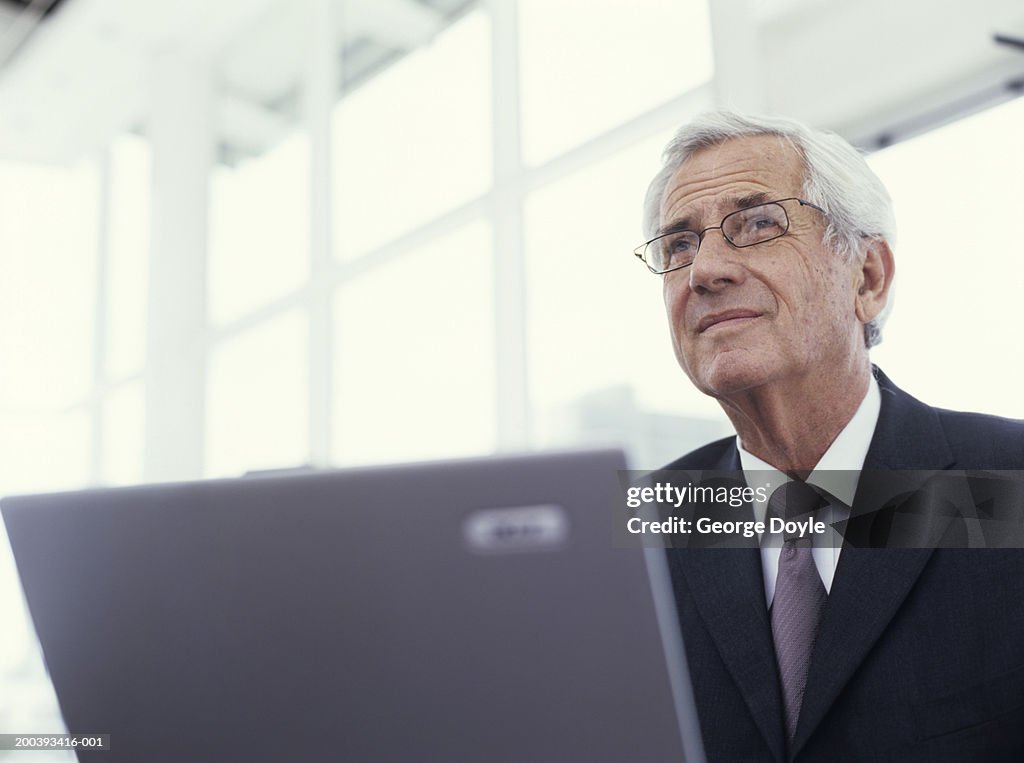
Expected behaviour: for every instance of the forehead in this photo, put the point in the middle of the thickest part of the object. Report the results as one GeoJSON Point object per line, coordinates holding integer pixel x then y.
{"type": "Point", "coordinates": [711, 180]}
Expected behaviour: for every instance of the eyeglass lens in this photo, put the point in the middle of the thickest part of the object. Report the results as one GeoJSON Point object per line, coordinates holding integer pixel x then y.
{"type": "Point", "coordinates": [745, 227]}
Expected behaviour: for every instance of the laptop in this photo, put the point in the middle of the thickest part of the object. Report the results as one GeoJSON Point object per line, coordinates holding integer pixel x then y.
{"type": "Point", "coordinates": [461, 611]}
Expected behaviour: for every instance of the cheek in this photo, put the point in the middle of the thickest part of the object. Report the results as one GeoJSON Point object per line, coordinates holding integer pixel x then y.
{"type": "Point", "coordinates": [674, 295]}
{"type": "Point", "coordinates": [829, 311]}
{"type": "Point", "coordinates": [841, 295]}
{"type": "Point", "coordinates": [799, 293]}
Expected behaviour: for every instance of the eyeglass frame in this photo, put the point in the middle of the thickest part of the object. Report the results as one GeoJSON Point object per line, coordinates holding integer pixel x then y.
{"type": "Point", "coordinates": [640, 251]}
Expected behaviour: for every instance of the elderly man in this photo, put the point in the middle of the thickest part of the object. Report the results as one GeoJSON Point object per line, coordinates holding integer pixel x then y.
{"type": "Point", "coordinates": [773, 243]}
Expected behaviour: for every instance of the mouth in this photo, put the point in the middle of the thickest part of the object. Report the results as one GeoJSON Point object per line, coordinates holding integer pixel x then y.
{"type": "Point", "coordinates": [725, 319]}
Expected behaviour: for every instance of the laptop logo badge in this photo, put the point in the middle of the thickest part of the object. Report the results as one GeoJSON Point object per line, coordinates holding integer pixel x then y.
{"type": "Point", "coordinates": [516, 529]}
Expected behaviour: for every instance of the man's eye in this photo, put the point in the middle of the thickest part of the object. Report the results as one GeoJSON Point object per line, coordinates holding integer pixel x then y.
{"type": "Point", "coordinates": [762, 223]}
{"type": "Point", "coordinates": [759, 228]}
{"type": "Point", "coordinates": [680, 245]}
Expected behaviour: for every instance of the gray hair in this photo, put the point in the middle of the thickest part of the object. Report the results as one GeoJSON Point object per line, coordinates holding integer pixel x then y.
{"type": "Point", "coordinates": [836, 178]}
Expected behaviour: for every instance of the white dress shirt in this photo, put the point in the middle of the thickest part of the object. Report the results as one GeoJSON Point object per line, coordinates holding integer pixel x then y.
{"type": "Point", "coordinates": [837, 472]}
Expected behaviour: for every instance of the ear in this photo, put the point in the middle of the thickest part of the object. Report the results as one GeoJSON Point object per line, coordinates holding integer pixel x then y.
{"type": "Point", "coordinates": [874, 280]}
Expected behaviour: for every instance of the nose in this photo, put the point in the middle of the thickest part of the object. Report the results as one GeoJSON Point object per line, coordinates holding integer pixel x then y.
{"type": "Point", "coordinates": [716, 266]}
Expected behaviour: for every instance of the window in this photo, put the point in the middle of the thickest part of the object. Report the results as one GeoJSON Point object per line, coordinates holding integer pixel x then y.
{"type": "Point", "coordinates": [589, 65]}
{"type": "Point", "coordinates": [414, 356]}
{"type": "Point", "coordinates": [48, 233]}
{"type": "Point", "coordinates": [415, 141]}
{"type": "Point", "coordinates": [257, 399]}
{"type": "Point", "coordinates": [959, 274]}
{"type": "Point", "coordinates": [127, 256]}
{"type": "Point", "coordinates": [123, 436]}
{"type": "Point", "coordinates": [259, 230]}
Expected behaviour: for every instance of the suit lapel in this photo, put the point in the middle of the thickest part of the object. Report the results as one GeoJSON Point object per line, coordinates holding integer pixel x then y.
{"type": "Point", "coordinates": [871, 584]}
{"type": "Point", "coordinates": [727, 586]}
{"type": "Point", "coordinates": [740, 630]}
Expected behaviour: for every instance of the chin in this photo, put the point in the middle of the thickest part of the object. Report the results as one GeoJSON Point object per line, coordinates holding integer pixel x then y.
{"type": "Point", "coordinates": [730, 373]}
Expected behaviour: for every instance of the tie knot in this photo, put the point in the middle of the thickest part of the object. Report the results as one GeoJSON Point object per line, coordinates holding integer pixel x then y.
{"type": "Point", "coordinates": [795, 501]}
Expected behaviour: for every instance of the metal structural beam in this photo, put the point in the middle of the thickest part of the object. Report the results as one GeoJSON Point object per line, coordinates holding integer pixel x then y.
{"type": "Point", "coordinates": [404, 24]}
{"type": "Point", "coordinates": [877, 69]}
{"type": "Point", "coordinates": [739, 81]}
{"type": "Point", "coordinates": [874, 70]}
{"type": "Point", "coordinates": [509, 285]}
{"type": "Point", "coordinates": [181, 133]}
{"type": "Point", "coordinates": [321, 87]}
{"type": "Point", "coordinates": [78, 78]}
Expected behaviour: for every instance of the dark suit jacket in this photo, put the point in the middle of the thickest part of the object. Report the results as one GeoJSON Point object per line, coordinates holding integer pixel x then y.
{"type": "Point", "coordinates": [920, 654]}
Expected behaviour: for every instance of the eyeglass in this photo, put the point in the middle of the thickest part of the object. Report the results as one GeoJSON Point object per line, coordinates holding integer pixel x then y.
{"type": "Point", "coordinates": [742, 228]}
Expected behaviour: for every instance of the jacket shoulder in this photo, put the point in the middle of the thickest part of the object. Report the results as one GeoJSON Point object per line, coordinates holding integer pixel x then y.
{"type": "Point", "coordinates": [981, 441]}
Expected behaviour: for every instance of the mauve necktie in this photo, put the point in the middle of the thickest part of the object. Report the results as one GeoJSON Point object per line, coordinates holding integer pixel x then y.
{"type": "Point", "coordinates": [799, 597]}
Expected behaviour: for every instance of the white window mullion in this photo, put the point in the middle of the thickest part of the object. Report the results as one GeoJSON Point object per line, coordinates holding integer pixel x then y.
{"type": "Point", "coordinates": [509, 283]}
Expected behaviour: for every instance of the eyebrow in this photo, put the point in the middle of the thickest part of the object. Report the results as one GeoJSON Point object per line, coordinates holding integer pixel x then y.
{"type": "Point", "coordinates": [737, 203]}
{"type": "Point", "coordinates": [751, 200]}
{"type": "Point", "coordinates": [676, 226]}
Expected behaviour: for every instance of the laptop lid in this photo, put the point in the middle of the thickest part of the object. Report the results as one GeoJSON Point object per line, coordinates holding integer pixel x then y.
{"type": "Point", "coordinates": [473, 610]}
